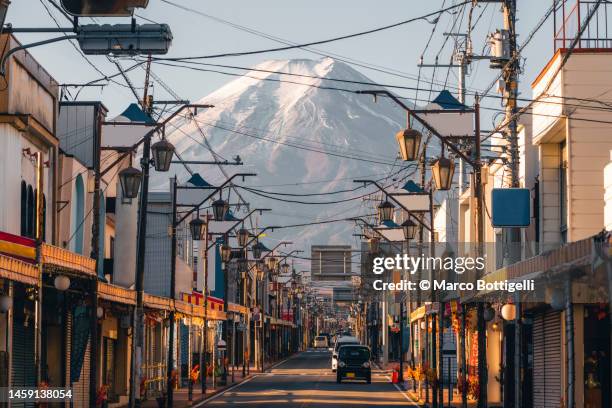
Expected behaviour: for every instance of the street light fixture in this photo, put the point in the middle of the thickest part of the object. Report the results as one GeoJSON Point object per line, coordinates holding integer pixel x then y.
{"type": "Point", "coordinates": [374, 245]}
{"type": "Point", "coordinates": [385, 211]}
{"type": "Point", "coordinates": [61, 283]}
{"type": "Point", "coordinates": [226, 252]}
{"type": "Point", "coordinates": [409, 141]}
{"type": "Point", "coordinates": [162, 152]}
{"type": "Point", "coordinates": [260, 273]}
{"type": "Point", "coordinates": [198, 229]}
{"type": "Point", "coordinates": [129, 178]}
{"type": "Point", "coordinates": [243, 236]}
{"type": "Point", "coordinates": [220, 208]}
{"type": "Point", "coordinates": [272, 262]}
{"type": "Point", "coordinates": [410, 229]}
{"type": "Point", "coordinates": [257, 250]}
{"type": "Point", "coordinates": [285, 268]}
{"type": "Point", "coordinates": [443, 170]}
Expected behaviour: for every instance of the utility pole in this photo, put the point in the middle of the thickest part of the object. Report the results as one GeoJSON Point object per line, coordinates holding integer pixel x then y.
{"type": "Point", "coordinates": [138, 320]}
{"type": "Point", "coordinates": [510, 76]}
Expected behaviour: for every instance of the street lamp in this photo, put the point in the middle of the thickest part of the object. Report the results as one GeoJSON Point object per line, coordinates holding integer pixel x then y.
{"type": "Point", "coordinates": [374, 245]}
{"type": "Point", "coordinates": [409, 141]}
{"type": "Point", "coordinates": [272, 262]}
{"type": "Point", "coordinates": [61, 283]}
{"type": "Point", "coordinates": [220, 208]}
{"type": "Point", "coordinates": [162, 152]}
{"type": "Point", "coordinates": [260, 273]}
{"type": "Point", "coordinates": [257, 250]}
{"type": "Point", "coordinates": [226, 252]}
{"type": "Point", "coordinates": [385, 211]}
{"type": "Point", "coordinates": [410, 229]}
{"type": "Point", "coordinates": [285, 268]}
{"type": "Point", "coordinates": [443, 170]}
{"type": "Point", "coordinates": [129, 178]}
{"type": "Point", "coordinates": [198, 229]}
{"type": "Point", "coordinates": [243, 236]}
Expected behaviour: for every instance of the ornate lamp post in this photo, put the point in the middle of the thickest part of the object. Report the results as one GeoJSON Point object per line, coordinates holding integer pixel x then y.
{"type": "Point", "coordinates": [220, 208]}
{"type": "Point", "coordinates": [129, 178]}
{"type": "Point", "coordinates": [443, 170]}
{"type": "Point", "coordinates": [385, 211]}
{"type": "Point", "coordinates": [410, 229]}
{"type": "Point", "coordinates": [243, 236]}
{"type": "Point", "coordinates": [409, 141]}
{"type": "Point", "coordinates": [197, 227]}
{"type": "Point", "coordinates": [257, 250]}
{"type": "Point", "coordinates": [162, 152]}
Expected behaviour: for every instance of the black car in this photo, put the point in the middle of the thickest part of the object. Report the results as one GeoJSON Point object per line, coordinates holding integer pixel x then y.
{"type": "Point", "coordinates": [354, 363]}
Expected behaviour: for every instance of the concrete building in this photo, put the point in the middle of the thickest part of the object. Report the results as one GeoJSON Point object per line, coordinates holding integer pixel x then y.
{"type": "Point", "coordinates": [331, 262]}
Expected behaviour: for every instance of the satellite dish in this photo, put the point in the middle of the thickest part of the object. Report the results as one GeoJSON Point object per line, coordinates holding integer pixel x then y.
{"type": "Point", "coordinates": [102, 8]}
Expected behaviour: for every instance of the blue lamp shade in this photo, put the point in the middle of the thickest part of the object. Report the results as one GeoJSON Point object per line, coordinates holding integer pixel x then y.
{"type": "Point", "coordinates": [511, 207]}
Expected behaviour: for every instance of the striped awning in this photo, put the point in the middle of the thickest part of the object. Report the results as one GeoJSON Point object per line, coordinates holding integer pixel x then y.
{"type": "Point", "coordinates": [18, 270]}
{"type": "Point", "coordinates": [117, 294]}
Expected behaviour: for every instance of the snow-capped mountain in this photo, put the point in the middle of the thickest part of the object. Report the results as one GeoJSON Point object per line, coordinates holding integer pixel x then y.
{"type": "Point", "coordinates": [301, 137]}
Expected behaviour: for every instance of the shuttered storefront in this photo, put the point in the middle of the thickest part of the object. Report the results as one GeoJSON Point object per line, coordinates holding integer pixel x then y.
{"type": "Point", "coordinates": [79, 355]}
{"type": "Point", "coordinates": [24, 370]}
{"type": "Point", "coordinates": [547, 360]}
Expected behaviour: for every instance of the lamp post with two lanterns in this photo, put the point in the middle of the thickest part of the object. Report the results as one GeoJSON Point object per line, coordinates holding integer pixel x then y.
{"type": "Point", "coordinates": [272, 262]}
{"type": "Point", "coordinates": [442, 171]}
{"type": "Point", "coordinates": [130, 180]}
{"type": "Point", "coordinates": [198, 232]}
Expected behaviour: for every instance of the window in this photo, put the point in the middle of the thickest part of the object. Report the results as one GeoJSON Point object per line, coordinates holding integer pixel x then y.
{"type": "Point", "coordinates": [30, 214]}
{"type": "Point", "coordinates": [563, 191]}
{"type": "Point", "coordinates": [44, 218]}
{"type": "Point", "coordinates": [24, 209]}
{"type": "Point", "coordinates": [111, 249]}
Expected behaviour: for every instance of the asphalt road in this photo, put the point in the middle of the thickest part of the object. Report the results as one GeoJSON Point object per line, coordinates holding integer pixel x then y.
{"type": "Point", "coordinates": [306, 381]}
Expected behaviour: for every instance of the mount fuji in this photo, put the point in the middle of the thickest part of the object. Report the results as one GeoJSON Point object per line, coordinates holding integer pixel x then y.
{"type": "Point", "coordinates": [302, 134]}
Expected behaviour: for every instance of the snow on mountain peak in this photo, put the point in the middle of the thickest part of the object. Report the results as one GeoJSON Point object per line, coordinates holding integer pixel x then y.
{"type": "Point", "coordinates": [292, 131]}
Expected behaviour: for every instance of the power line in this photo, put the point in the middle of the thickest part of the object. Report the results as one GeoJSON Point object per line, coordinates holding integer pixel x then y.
{"type": "Point", "coordinates": [348, 60]}
{"type": "Point", "coordinates": [326, 41]}
{"type": "Point", "coordinates": [292, 144]}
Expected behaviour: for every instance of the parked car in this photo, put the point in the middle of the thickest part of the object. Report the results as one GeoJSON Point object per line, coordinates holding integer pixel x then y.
{"type": "Point", "coordinates": [342, 341]}
{"type": "Point", "coordinates": [354, 363]}
{"type": "Point", "coordinates": [321, 342]}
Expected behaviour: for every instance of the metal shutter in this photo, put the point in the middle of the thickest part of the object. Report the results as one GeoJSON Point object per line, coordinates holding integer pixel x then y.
{"type": "Point", "coordinates": [547, 364]}
{"type": "Point", "coordinates": [80, 389]}
{"type": "Point", "coordinates": [24, 369]}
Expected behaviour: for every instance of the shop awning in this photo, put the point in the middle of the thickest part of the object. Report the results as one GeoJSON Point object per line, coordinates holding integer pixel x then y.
{"type": "Point", "coordinates": [56, 257]}
{"type": "Point", "coordinates": [18, 271]}
{"type": "Point", "coordinates": [117, 294]}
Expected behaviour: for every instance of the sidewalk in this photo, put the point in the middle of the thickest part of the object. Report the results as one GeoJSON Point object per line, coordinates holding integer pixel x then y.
{"type": "Point", "coordinates": [181, 395]}
{"type": "Point", "coordinates": [418, 395]}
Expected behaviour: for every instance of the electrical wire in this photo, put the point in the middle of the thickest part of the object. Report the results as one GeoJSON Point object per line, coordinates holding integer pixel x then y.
{"type": "Point", "coordinates": [326, 41]}
{"type": "Point", "coordinates": [210, 124]}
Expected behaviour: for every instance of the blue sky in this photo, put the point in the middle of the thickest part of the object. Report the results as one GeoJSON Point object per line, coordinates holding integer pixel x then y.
{"type": "Point", "coordinates": [396, 49]}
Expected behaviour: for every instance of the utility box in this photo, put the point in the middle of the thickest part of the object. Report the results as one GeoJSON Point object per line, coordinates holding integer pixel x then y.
{"type": "Point", "coordinates": [500, 48]}
{"type": "Point", "coordinates": [124, 39]}
{"type": "Point", "coordinates": [511, 207]}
